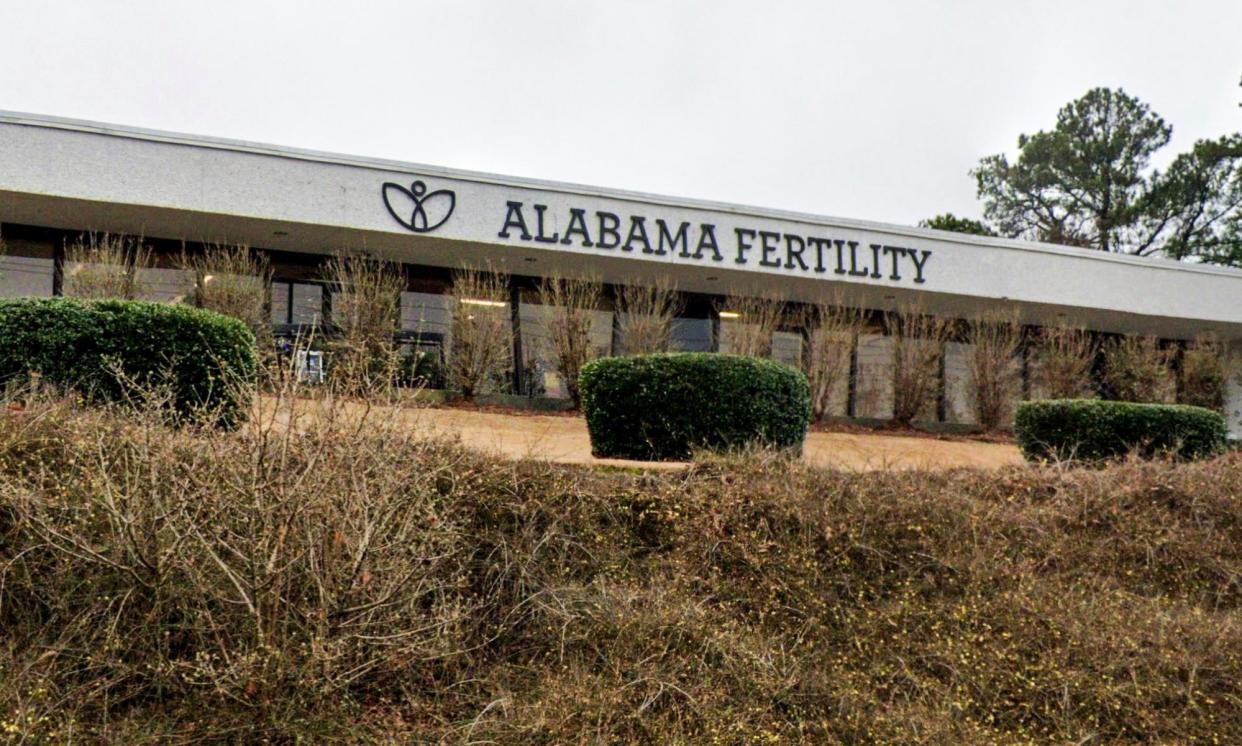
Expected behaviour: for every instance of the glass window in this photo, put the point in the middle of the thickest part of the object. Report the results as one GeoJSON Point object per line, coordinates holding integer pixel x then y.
{"type": "Point", "coordinates": [296, 303]}
{"type": "Point", "coordinates": [691, 335]}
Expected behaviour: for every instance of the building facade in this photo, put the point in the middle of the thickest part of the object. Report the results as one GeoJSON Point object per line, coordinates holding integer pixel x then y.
{"type": "Point", "coordinates": [60, 178]}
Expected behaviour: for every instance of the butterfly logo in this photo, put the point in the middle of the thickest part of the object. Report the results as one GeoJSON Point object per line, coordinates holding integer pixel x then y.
{"type": "Point", "coordinates": [416, 208]}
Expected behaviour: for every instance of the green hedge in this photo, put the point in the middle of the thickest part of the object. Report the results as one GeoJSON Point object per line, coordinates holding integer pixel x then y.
{"type": "Point", "coordinates": [655, 407]}
{"type": "Point", "coordinates": [1094, 430]}
{"type": "Point", "coordinates": [202, 356]}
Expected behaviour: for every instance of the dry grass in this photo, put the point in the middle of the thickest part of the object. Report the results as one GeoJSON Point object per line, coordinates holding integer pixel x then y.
{"type": "Point", "coordinates": [1206, 370]}
{"type": "Point", "coordinates": [1137, 369]}
{"type": "Point", "coordinates": [1063, 361]}
{"type": "Point", "coordinates": [316, 577]}
{"type": "Point", "coordinates": [995, 378]}
{"type": "Point", "coordinates": [833, 330]}
{"type": "Point", "coordinates": [571, 302]}
{"type": "Point", "coordinates": [918, 345]}
{"type": "Point", "coordinates": [482, 331]}
{"type": "Point", "coordinates": [753, 321]}
{"type": "Point", "coordinates": [232, 280]}
{"type": "Point", "coordinates": [366, 314]}
{"type": "Point", "coordinates": [645, 316]}
{"type": "Point", "coordinates": [106, 265]}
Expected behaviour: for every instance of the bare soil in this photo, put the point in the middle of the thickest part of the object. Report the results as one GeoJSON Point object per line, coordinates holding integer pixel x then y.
{"type": "Point", "coordinates": [562, 438]}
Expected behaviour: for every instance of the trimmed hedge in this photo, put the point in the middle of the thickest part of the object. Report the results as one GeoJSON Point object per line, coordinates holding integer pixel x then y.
{"type": "Point", "coordinates": [1094, 430]}
{"type": "Point", "coordinates": [204, 357]}
{"type": "Point", "coordinates": [662, 406]}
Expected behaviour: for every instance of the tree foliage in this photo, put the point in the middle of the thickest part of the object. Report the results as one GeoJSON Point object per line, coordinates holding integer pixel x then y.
{"type": "Point", "coordinates": [1090, 182]}
{"type": "Point", "coordinates": [950, 222]}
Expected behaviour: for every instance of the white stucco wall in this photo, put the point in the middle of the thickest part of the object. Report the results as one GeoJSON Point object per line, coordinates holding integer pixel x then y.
{"type": "Point", "coordinates": [183, 186]}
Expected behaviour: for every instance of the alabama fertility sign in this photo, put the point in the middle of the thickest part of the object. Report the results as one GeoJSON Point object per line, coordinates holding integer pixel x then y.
{"type": "Point", "coordinates": [421, 209]}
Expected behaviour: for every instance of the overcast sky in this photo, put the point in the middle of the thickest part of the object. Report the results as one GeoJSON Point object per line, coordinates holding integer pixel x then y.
{"type": "Point", "coordinates": [869, 110]}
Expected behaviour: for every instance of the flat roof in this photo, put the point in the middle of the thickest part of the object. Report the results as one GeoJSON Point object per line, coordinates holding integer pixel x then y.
{"type": "Point", "coordinates": [86, 175]}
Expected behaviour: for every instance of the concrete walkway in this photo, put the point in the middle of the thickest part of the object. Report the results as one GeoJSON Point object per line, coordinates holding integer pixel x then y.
{"type": "Point", "coordinates": [564, 439]}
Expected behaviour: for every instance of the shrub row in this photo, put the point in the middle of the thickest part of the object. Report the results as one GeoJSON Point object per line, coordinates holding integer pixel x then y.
{"type": "Point", "coordinates": [1092, 430]}
{"type": "Point", "coordinates": [104, 349]}
{"type": "Point", "coordinates": [664, 406]}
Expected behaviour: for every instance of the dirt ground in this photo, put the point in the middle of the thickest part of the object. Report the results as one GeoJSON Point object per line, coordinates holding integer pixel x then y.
{"type": "Point", "coordinates": [564, 439]}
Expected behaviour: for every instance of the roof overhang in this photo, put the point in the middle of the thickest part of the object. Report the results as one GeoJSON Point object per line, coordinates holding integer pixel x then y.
{"type": "Point", "coordinates": [87, 176]}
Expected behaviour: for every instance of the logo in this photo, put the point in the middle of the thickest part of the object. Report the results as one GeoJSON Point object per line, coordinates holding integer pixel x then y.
{"type": "Point", "coordinates": [416, 208]}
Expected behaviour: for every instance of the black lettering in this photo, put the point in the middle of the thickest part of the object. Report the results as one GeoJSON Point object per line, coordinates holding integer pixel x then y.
{"type": "Point", "coordinates": [896, 253]}
{"type": "Point", "coordinates": [919, 262]}
{"type": "Point", "coordinates": [875, 261]}
{"type": "Point", "coordinates": [819, 244]}
{"type": "Point", "coordinates": [539, 235]}
{"type": "Point", "coordinates": [707, 240]}
{"type": "Point", "coordinates": [840, 270]}
{"type": "Point", "coordinates": [672, 240]}
{"type": "Point", "coordinates": [770, 243]}
{"type": "Point", "coordinates": [791, 254]}
{"type": "Point", "coordinates": [514, 219]}
{"type": "Point", "coordinates": [638, 232]}
{"type": "Point", "coordinates": [609, 225]}
{"type": "Point", "coordinates": [854, 271]}
{"type": "Point", "coordinates": [743, 246]}
{"type": "Point", "coordinates": [577, 226]}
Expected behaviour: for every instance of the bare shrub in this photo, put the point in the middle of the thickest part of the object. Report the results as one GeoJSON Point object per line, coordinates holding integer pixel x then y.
{"type": "Point", "coordinates": [832, 334]}
{"type": "Point", "coordinates": [645, 316]}
{"type": "Point", "coordinates": [918, 344]}
{"type": "Point", "coordinates": [105, 265]}
{"type": "Point", "coordinates": [231, 566]}
{"type": "Point", "coordinates": [748, 323]}
{"type": "Point", "coordinates": [324, 576]}
{"type": "Point", "coordinates": [365, 314]}
{"type": "Point", "coordinates": [1207, 368]}
{"type": "Point", "coordinates": [1136, 369]}
{"type": "Point", "coordinates": [1065, 357]}
{"type": "Point", "coordinates": [571, 303]}
{"type": "Point", "coordinates": [231, 280]}
{"type": "Point", "coordinates": [482, 330]}
{"type": "Point", "coordinates": [994, 374]}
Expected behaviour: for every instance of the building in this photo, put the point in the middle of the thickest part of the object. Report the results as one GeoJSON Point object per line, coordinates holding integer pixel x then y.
{"type": "Point", "coordinates": [59, 178]}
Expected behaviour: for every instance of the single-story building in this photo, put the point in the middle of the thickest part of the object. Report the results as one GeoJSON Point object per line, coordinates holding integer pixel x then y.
{"type": "Point", "coordinates": [60, 178]}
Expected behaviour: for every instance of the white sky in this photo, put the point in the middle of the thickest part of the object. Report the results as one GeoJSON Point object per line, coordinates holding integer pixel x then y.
{"type": "Point", "coordinates": [870, 110]}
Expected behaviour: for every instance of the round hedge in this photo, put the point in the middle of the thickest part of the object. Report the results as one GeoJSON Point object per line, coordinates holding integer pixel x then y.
{"type": "Point", "coordinates": [1094, 430]}
{"type": "Point", "coordinates": [206, 359]}
{"type": "Point", "coordinates": [654, 407]}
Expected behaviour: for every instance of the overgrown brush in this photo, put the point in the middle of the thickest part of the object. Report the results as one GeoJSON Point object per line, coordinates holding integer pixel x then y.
{"type": "Point", "coordinates": [366, 310]}
{"type": "Point", "coordinates": [645, 315]}
{"type": "Point", "coordinates": [571, 304]}
{"type": "Point", "coordinates": [233, 280]}
{"type": "Point", "coordinates": [324, 575]}
{"type": "Point", "coordinates": [1137, 369]}
{"type": "Point", "coordinates": [1064, 358]}
{"type": "Point", "coordinates": [482, 332]}
{"type": "Point", "coordinates": [106, 266]}
{"type": "Point", "coordinates": [748, 324]}
{"type": "Point", "coordinates": [919, 339]}
{"type": "Point", "coordinates": [832, 336]}
{"type": "Point", "coordinates": [995, 379]}
{"type": "Point", "coordinates": [1207, 368]}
